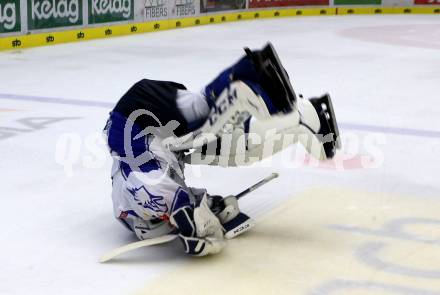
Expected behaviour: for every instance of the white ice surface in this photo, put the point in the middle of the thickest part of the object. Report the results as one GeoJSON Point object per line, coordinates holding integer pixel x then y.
{"type": "Point", "coordinates": [381, 71]}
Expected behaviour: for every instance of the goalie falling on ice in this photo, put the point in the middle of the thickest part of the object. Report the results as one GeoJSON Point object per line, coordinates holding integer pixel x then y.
{"type": "Point", "coordinates": [158, 126]}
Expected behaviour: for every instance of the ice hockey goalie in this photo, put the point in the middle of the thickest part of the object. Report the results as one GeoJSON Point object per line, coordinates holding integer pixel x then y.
{"type": "Point", "coordinates": [157, 127]}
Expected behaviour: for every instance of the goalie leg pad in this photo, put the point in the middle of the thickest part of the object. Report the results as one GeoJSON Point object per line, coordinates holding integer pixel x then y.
{"type": "Point", "coordinates": [261, 75]}
{"type": "Point", "coordinates": [241, 70]}
{"type": "Point", "coordinates": [201, 247]}
{"type": "Point", "coordinates": [183, 219]}
{"type": "Point", "coordinates": [235, 105]}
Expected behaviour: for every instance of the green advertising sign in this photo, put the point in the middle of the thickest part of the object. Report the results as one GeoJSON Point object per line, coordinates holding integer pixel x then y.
{"type": "Point", "coordinates": [104, 11]}
{"type": "Point", "coordinates": [10, 16]}
{"type": "Point", "coordinates": [43, 14]}
{"type": "Point", "coordinates": [358, 2]}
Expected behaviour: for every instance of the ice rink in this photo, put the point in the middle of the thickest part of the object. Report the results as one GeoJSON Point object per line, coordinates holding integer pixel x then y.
{"type": "Point", "coordinates": [365, 223]}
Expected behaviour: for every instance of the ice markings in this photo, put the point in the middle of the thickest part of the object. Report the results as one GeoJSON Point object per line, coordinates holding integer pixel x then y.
{"type": "Point", "coordinates": [396, 228]}
{"type": "Point", "coordinates": [368, 254]}
{"type": "Point", "coordinates": [371, 254]}
{"type": "Point", "coordinates": [30, 124]}
{"type": "Point", "coordinates": [376, 288]}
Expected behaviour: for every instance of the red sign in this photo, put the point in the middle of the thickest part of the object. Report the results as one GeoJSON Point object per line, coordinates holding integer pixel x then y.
{"type": "Point", "coordinates": [425, 2]}
{"type": "Point", "coordinates": [278, 3]}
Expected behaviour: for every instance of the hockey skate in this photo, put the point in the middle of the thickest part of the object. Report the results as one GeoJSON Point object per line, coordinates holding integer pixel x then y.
{"type": "Point", "coordinates": [276, 81]}
{"type": "Point", "coordinates": [328, 125]}
{"type": "Point", "coordinates": [273, 77]}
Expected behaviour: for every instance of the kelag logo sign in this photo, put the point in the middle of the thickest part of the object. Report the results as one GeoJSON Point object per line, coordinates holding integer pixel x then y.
{"type": "Point", "coordinates": [103, 11]}
{"type": "Point", "coordinates": [44, 14]}
{"type": "Point", "coordinates": [10, 16]}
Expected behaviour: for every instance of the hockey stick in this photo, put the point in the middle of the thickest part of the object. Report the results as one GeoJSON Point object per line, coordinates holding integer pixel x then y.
{"type": "Point", "coordinates": [257, 185]}
{"type": "Point", "coordinates": [167, 238]}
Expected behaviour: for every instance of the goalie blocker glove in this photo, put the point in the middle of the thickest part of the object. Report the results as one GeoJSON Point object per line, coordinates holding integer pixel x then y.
{"type": "Point", "coordinates": [233, 221]}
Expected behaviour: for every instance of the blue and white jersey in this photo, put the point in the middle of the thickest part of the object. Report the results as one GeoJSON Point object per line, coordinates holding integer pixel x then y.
{"type": "Point", "coordinates": [153, 189]}
{"type": "Point", "coordinates": [154, 192]}
{"type": "Point", "coordinates": [144, 200]}
{"type": "Point", "coordinates": [148, 180]}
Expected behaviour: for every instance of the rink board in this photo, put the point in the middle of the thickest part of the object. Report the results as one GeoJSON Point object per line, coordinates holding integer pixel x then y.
{"type": "Point", "coordinates": [82, 34]}
{"type": "Point", "coordinates": [328, 241]}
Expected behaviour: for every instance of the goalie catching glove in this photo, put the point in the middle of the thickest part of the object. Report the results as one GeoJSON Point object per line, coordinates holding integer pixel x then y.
{"type": "Point", "coordinates": [202, 231]}
{"type": "Point", "coordinates": [199, 229]}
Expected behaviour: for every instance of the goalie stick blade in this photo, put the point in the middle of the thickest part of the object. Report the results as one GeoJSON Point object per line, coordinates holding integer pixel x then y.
{"type": "Point", "coordinates": [132, 246]}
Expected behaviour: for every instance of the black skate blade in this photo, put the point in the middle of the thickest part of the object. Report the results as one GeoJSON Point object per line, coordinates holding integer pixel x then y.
{"type": "Point", "coordinates": [327, 118]}
{"type": "Point", "coordinates": [333, 123]}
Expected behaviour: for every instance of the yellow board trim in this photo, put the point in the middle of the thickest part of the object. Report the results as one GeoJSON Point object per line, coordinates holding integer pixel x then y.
{"type": "Point", "coordinates": [59, 37]}
{"type": "Point", "coordinates": [388, 10]}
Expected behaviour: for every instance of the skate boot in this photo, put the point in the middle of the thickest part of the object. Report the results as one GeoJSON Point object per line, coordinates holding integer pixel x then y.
{"type": "Point", "coordinates": [273, 77]}
{"type": "Point", "coordinates": [263, 72]}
